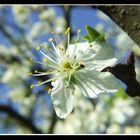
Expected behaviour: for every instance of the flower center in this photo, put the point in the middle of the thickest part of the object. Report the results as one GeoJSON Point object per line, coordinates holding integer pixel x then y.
{"type": "Point", "coordinates": [67, 66]}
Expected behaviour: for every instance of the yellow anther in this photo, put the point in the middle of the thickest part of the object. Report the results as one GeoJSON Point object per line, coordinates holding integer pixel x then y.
{"type": "Point", "coordinates": [38, 48]}
{"type": "Point", "coordinates": [79, 30]}
{"type": "Point", "coordinates": [36, 71]}
{"type": "Point", "coordinates": [67, 31]}
{"type": "Point", "coordinates": [61, 48]}
{"type": "Point", "coordinates": [49, 90]}
{"type": "Point", "coordinates": [50, 39]}
{"type": "Point", "coordinates": [45, 60]}
{"type": "Point", "coordinates": [39, 82]}
{"type": "Point", "coordinates": [32, 86]}
{"type": "Point", "coordinates": [52, 33]}
{"type": "Point", "coordinates": [30, 74]}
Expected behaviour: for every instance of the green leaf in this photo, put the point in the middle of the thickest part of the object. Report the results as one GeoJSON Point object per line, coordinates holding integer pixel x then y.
{"type": "Point", "coordinates": [100, 38]}
{"type": "Point", "coordinates": [86, 37]}
{"type": "Point", "coordinates": [92, 33]}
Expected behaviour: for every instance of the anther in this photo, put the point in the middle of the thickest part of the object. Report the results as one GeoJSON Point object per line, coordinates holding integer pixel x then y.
{"type": "Point", "coordinates": [61, 48]}
{"type": "Point", "coordinates": [36, 71]}
{"type": "Point", "coordinates": [49, 90]}
{"type": "Point", "coordinates": [39, 82]}
{"type": "Point", "coordinates": [32, 86]}
{"type": "Point", "coordinates": [79, 30]}
{"type": "Point", "coordinates": [52, 33]}
{"type": "Point", "coordinates": [45, 60]}
{"type": "Point", "coordinates": [38, 48]}
{"type": "Point", "coordinates": [30, 74]}
{"type": "Point", "coordinates": [50, 39]}
{"type": "Point", "coordinates": [67, 31]}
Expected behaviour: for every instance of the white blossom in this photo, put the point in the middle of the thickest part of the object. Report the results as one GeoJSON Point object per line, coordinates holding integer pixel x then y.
{"type": "Point", "coordinates": [79, 66]}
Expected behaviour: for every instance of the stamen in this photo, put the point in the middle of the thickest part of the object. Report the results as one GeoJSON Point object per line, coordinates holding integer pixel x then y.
{"type": "Point", "coordinates": [56, 38]}
{"type": "Point", "coordinates": [56, 51]}
{"type": "Point", "coordinates": [32, 86]}
{"type": "Point", "coordinates": [61, 48]}
{"type": "Point", "coordinates": [49, 80]}
{"type": "Point", "coordinates": [68, 38]}
{"type": "Point", "coordinates": [67, 31]}
{"type": "Point", "coordinates": [49, 58]}
{"type": "Point", "coordinates": [36, 71]}
{"type": "Point", "coordinates": [49, 91]}
{"type": "Point", "coordinates": [38, 48]}
{"type": "Point", "coordinates": [52, 66]}
{"type": "Point", "coordinates": [50, 39]}
{"type": "Point", "coordinates": [78, 32]}
{"type": "Point", "coordinates": [39, 82]}
{"type": "Point", "coordinates": [45, 60]}
{"type": "Point", "coordinates": [69, 78]}
{"type": "Point", "coordinates": [30, 74]}
{"type": "Point", "coordinates": [40, 63]}
{"type": "Point", "coordinates": [41, 74]}
{"type": "Point", "coordinates": [52, 32]}
{"type": "Point", "coordinates": [44, 73]}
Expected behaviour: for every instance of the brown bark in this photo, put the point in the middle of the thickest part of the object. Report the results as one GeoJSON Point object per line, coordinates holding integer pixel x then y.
{"type": "Point", "coordinates": [127, 17]}
{"type": "Point", "coordinates": [126, 73]}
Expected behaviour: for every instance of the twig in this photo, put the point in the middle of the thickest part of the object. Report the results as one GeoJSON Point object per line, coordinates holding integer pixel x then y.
{"type": "Point", "coordinates": [126, 73]}
{"type": "Point", "coordinates": [23, 120]}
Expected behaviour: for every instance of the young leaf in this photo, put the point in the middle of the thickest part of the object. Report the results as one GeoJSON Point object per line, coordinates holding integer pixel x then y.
{"type": "Point", "coordinates": [92, 33]}
{"type": "Point", "coordinates": [86, 37]}
{"type": "Point", "coordinates": [100, 38]}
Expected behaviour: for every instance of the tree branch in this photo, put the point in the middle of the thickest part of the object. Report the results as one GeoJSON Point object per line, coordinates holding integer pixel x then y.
{"type": "Point", "coordinates": [23, 120]}
{"type": "Point", "coordinates": [127, 17]}
{"type": "Point", "coordinates": [126, 73]}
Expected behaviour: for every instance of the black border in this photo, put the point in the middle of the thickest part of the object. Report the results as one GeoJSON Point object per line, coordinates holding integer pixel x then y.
{"type": "Point", "coordinates": [70, 2]}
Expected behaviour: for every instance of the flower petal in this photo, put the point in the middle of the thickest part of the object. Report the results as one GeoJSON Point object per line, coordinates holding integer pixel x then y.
{"type": "Point", "coordinates": [62, 99]}
{"type": "Point", "coordinates": [76, 49]}
{"type": "Point", "coordinates": [100, 55]}
{"type": "Point", "coordinates": [92, 82]}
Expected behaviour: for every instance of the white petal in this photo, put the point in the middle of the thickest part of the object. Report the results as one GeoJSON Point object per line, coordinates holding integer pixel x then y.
{"type": "Point", "coordinates": [77, 49]}
{"type": "Point", "coordinates": [92, 83]}
{"type": "Point", "coordinates": [100, 55]}
{"type": "Point", "coordinates": [62, 99]}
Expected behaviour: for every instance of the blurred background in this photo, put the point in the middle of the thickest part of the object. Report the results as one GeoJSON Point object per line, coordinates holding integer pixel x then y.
{"type": "Point", "coordinates": [24, 110]}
